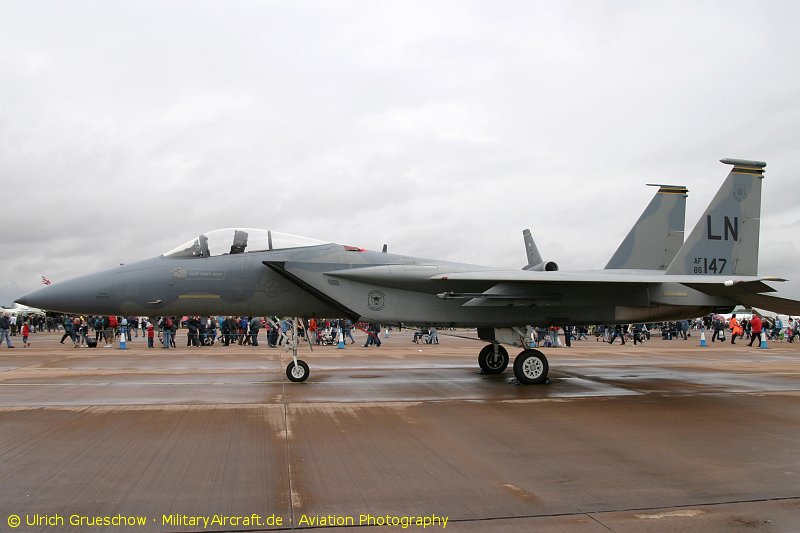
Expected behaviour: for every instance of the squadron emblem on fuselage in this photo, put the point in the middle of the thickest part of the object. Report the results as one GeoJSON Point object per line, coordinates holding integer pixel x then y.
{"type": "Point", "coordinates": [376, 300]}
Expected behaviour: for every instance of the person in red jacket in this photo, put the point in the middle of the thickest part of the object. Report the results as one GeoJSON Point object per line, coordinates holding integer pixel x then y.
{"type": "Point", "coordinates": [756, 326]}
{"type": "Point", "coordinates": [26, 330]}
{"type": "Point", "coordinates": [151, 334]}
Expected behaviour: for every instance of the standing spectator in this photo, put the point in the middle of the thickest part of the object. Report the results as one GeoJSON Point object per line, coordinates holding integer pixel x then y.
{"type": "Point", "coordinates": [110, 330]}
{"type": "Point", "coordinates": [718, 326]}
{"type": "Point", "coordinates": [617, 333]}
{"type": "Point", "coordinates": [98, 329]}
{"type": "Point", "coordinates": [554, 335]}
{"type": "Point", "coordinates": [347, 331]}
{"type": "Point", "coordinates": [231, 330]}
{"type": "Point", "coordinates": [736, 329]}
{"type": "Point", "coordinates": [192, 325]}
{"type": "Point", "coordinates": [255, 325]}
{"type": "Point", "coordinates": [124, 332]}
{"type": "Point", "coordinates": [151, 333]}
{"type": "Point", "coordinates": [202, 331]}
{"type": "Point", "coordinates": [777, 329]}
{"type": "Point", "coordinates": [792, 329]}
{"type": "Point", "coordinates": [5, 324]}
{"type": "Point", "coordinates": [244, 331]}
{"type": "Point", "coordinates": [272, 332]}
{"type": "Point", "coordinates": [434, 338]}
{"type": "Point", "coordinates": [83, 333]}
{"type": "Point", "coordinates": [26, 330]}
{"type": "Point", "coordinates": [312, 331]}
{"type": "Point", "coordinates": [67, 330]}
{"type": "Point", "coordinates": [166, 329]}
{"type": "Point", "coordinates": [637, 334]}
{"type": "Point", "coordinates": [212, 330]}
{"type": "Point", "coordinates": [224, 330]}
{"type": "Point", "coordinates": [283, 332]}
{"type": "Point", "coordinates": [756, 326]}
{"type": "Point", "coordinates": [373, 332]}
{"type": "Point", "coordinates": [684, 325]}
{"type": "Point", "coordinates": [746, 328]}
{"type": "Point", "coordinates": [174, 332]}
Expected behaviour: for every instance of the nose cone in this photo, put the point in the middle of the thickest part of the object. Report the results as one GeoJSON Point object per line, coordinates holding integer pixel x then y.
{"type": "Point", "coordinates": [87, 294]}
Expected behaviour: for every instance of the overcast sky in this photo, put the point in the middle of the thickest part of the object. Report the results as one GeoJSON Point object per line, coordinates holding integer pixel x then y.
{"type": "Point", "coordinates": [442, 128]}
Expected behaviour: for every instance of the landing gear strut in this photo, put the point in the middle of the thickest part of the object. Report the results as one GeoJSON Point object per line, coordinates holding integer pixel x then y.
{"type": "Point", "coordinates": [297, 370]}
{"type": "Point", "coordinates": [493, 359]}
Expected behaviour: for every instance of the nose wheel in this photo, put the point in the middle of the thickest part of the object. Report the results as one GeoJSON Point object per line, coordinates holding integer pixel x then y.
{"type": "Point", "coordinates": [297, 372]}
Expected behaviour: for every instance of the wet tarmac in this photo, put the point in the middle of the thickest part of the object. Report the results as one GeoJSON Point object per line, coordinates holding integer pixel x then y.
{"type": "Point", "coordinates": [669, 436]}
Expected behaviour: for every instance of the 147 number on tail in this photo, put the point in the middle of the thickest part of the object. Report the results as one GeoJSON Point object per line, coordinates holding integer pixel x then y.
{"type": "Point", "coordinates": [704, 265]}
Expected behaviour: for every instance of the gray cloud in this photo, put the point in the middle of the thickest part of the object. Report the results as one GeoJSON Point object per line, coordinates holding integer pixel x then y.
{"type": "Point", "coordinates": [441, 128]}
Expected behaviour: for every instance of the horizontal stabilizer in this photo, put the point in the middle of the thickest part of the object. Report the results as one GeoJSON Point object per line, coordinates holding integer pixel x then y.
{"type": "Point", "coordinates": [771, 303]}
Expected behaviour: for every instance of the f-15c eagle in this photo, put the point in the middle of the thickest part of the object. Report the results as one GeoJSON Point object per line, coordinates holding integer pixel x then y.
{"type": "Point", "coordinates": [653, 276]}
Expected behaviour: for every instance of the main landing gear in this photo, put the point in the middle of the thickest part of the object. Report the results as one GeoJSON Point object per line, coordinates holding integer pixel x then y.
{"type": "Point", "coordinates": [493, 359]}
{"type": "Point", "coordinates": [530, 366]}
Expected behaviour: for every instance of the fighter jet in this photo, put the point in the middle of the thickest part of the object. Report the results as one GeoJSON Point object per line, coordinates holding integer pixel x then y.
{"type": "Point", "coordinates": [254, 272]}
{"type": "Point", "coordinates": [20, 310]}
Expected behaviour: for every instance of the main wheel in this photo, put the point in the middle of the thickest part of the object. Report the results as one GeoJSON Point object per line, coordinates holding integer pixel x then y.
{"type": "Point", "coordinates": [490, 363]}
{"type": "Point", "coordinates": [531, 366]}
{"type": "Point", "coordinates": [297, 373]}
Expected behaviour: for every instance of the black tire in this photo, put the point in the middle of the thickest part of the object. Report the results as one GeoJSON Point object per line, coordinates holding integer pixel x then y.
{"type": "Point", "coordinates": [297, 374]}
{"type": "Point", "coordinates": [531, 367]}
{"type": "Point", "coordinates": [488, 363]}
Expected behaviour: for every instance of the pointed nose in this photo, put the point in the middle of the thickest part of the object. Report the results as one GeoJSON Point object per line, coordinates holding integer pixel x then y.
{"type": "Point", "coordinates": [86, 294]}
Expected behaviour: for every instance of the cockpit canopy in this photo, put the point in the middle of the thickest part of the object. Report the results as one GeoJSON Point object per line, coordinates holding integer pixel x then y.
{"type": "Point", "coordinates": [238, 241]}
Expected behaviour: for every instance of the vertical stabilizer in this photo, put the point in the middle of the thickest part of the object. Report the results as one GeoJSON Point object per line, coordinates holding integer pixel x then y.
{"type": "Point", "coordinates": [534, 257]}
{"type": "Point", "coordinates": [725, 240]}
{"type": "Point", "coordinates": [655, 239]}
{"type": "Point", "coordinates": [535, 261]}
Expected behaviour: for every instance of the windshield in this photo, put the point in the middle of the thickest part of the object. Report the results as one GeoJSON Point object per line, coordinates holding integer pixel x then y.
{"type": "Point", "coordinates": [238, 241]}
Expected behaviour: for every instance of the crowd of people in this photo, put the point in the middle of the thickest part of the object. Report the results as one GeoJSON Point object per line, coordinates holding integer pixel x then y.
{"type": "Point", "coordinates": [90, 331]}
{"type": "Point", "coordinates": [754, 328]}
{"type": "Point", "coordinates": [751, 329]}
{"type": "Point", "coordinates": [245, 330]}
